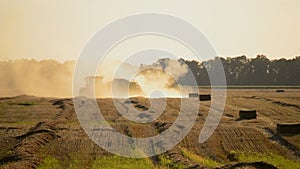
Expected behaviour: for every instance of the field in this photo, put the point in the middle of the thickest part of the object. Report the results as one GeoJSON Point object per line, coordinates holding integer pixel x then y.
{"type": "Point", "coordinates": [39, 132]}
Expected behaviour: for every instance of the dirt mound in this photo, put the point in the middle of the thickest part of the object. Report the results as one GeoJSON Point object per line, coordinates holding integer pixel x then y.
{"type": "Point", "coordinates": [66, 106]}
{"type": "Point", "coordinates": [254, 165]}
{"type": "Point", "coordinates": [280, 103]}
{"type": "Point", "coordinates": [62, 103]}
{"type": "Point", "coordinates": [131, 101]}
{"type": "Point", "coordinates": [286, 104]}
{"type": "Point", "coordinates": [23, 149]}
{"type": "Point", "coordinates": [277, 137]}
{"type": "Point", "coordinates": [139, 102]}
{"type": "Point", "coordinates": [144, 108]}
{"type": "Point", "coordinates": [162, 126]}
{"type": "Point", "coordinates": [176, 156]}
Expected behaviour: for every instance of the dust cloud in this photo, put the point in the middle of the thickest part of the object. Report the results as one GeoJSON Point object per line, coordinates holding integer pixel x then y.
{"type": "Point", "coordinates": [163, 76]}
{"type": "Point", "coordinates": [39, 78]}
{"type": "Point", "coordinates": [50, 78]}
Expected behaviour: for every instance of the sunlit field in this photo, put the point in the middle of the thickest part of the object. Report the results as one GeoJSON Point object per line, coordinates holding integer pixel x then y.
{"type": "Point", "coordinates": [45, 133]}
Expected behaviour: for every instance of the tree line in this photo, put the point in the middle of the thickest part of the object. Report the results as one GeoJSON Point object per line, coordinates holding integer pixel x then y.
{"type": "Point", "coordinates": [243, 71]}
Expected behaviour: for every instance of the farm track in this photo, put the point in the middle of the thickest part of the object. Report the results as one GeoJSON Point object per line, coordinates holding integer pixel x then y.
{"type": "Point", "coordinates": [32, 129]}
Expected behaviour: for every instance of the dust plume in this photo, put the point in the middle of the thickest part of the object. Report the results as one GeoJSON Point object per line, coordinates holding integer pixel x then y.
{"type": "Point", "coordinates": [163, 76]}
{"type": "Point", "coordinates": [39, 78]}
{"type": "Point", "coordinates": [54, 79]}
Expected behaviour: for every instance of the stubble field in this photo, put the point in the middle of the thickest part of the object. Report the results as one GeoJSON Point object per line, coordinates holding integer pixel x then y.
{"type": "Point", "coordinates": [44, 132]}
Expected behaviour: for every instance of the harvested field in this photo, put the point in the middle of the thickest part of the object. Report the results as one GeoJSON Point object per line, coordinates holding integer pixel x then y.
{"type": "Point", "coordinates": [45, 133]}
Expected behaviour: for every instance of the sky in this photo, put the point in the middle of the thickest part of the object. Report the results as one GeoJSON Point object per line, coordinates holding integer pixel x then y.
{"type": "Point", "coordinates": [54, 29]}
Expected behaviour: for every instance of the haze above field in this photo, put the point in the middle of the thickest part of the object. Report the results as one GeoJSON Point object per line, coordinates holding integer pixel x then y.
{"type": "Point", "coordinates": [58, 30]}
{"type": "Point", "coordinates": [51, 78]}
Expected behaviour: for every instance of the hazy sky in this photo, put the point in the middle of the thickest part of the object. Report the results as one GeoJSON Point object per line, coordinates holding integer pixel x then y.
{"type": "Point", "coordinates": [55, 29]}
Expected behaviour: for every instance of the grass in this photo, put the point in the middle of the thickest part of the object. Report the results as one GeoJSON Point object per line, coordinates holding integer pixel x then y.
{"type": "Point", "coordinates": [166, 162]}
{"type": "Point", "coordinates": [73, 123]}
{"type": "Point", "coordinates": [107, 122]}
{"type": "Point", "coordinates": [50, 163]}
{"type": "Point", "coordinates": [118, 162]}
{"type": "Point", "coordinates": [67, 161]}
{"type": "Point", "coordinates": [26, 103]}
{"type": "Point", "coordinates": [3, 107]}
{"type": "Point", "coordinates": [274, 159]}
{"type": "Point", "coordinates": [17, 123]}
{"type": "Point", "coordinates": [30, 103]}
{"type": "Point", "coordinates": [76, 162]}
{"type": "Point", "coordinates": [108, 162]}
{"type": "Point", "coordinates": [200, 160]}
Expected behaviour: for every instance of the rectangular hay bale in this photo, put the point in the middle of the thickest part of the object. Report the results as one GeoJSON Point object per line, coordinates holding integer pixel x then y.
{"type": "Point", "coordinates": [193, 95]}
{"type": "Point", "coordinates": [204, 97]}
